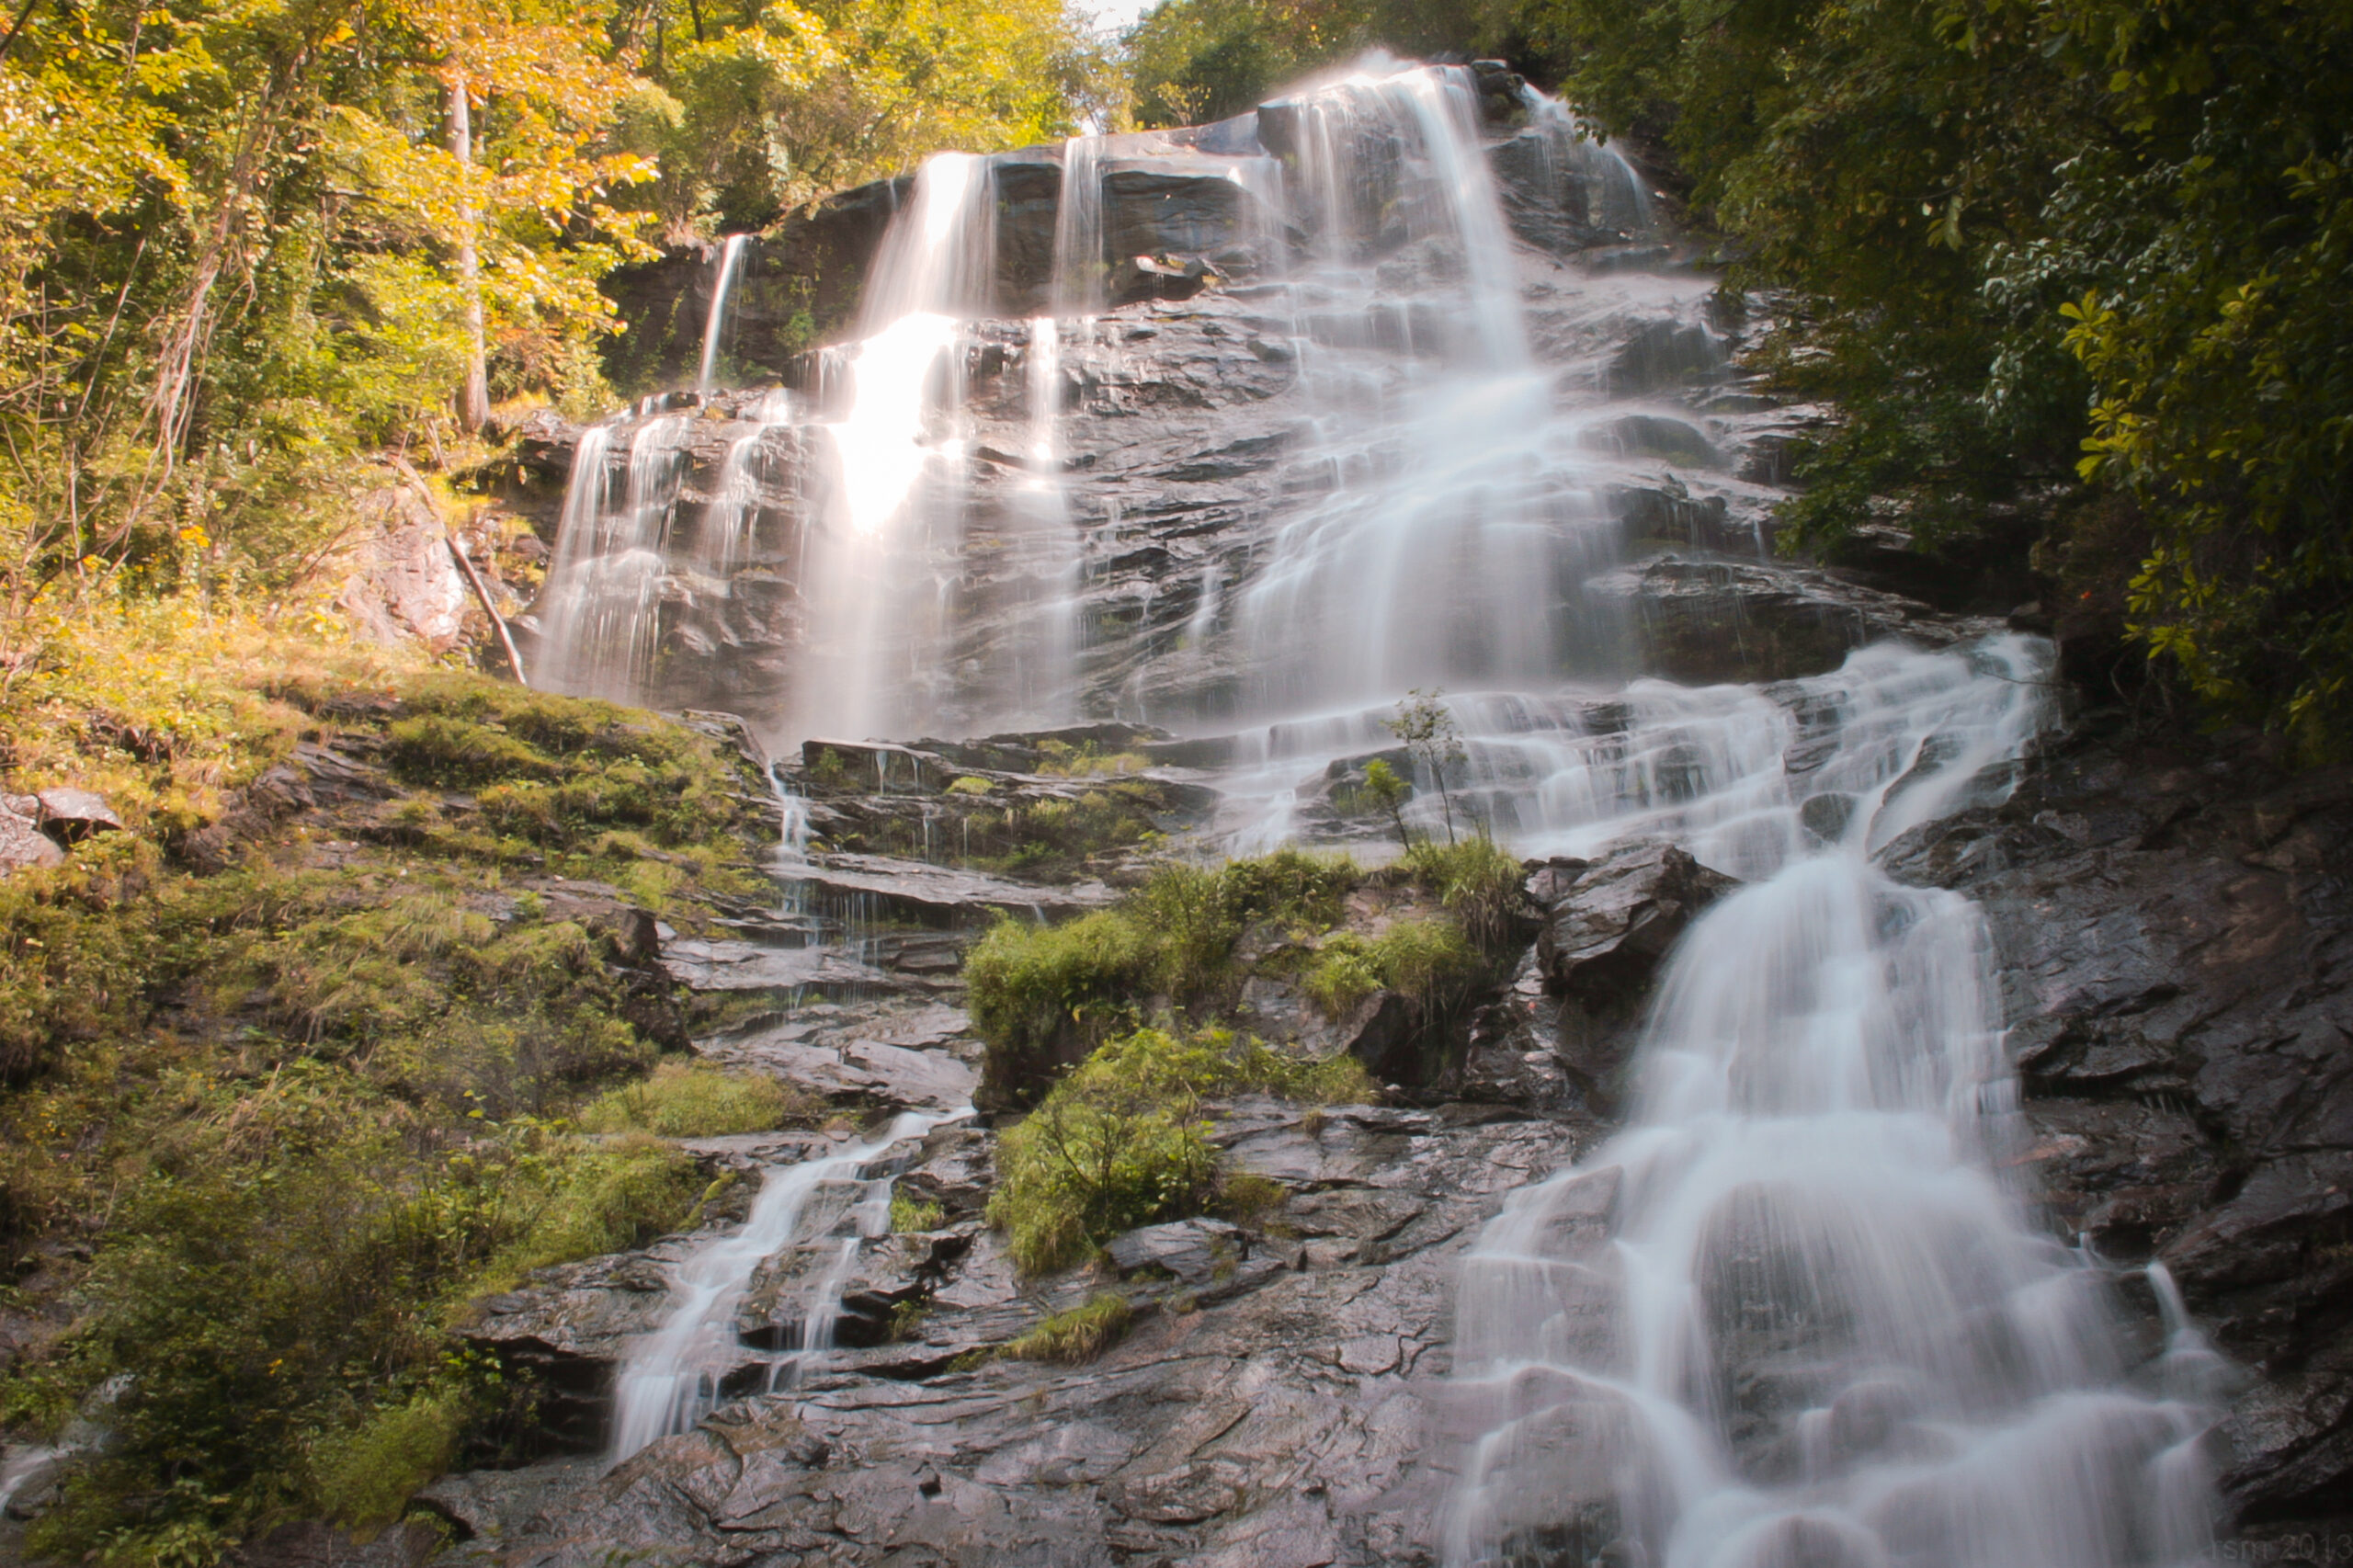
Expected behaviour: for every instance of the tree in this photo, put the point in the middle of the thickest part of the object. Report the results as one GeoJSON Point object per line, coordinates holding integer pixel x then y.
{"type": "Point", "coordinates": [1389, 794]}
{"type": "Point", "coordinates": [1427, 727]}
{"type": "Point", "coordinates": [748, 121]}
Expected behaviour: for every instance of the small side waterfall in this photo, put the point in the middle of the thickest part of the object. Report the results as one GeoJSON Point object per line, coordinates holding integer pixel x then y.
{"type": "Point", "coordinates": [731, 262]}
{"type": "Point", "coordinates": [1078, 286]}
{"type": "Point", "coordinates": [678, 1374]}
{"type": "Point", "coordinates": [610, 561]}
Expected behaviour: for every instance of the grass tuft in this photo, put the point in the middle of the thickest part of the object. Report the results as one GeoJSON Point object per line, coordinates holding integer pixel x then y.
{"type": "Point", "coordinates": [912, 1216]}
{"type": "Point", "coordinates": [1478, 881]}
{"type": "Point", "coordinates": [1119, 1143]}
{"type": "Point", "coordinates": [1077, 1336]}
{"type": "Point", "coordinates": [692, 1099]}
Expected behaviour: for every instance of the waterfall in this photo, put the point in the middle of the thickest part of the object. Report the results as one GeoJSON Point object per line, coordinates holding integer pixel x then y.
{"type": "Point", "coordinates": [730, 261]}
{"type": "Point", "coordinates": [1613, 194]}
{"type": "Point", "coordinates": [1452, 496]}
{"type": "Point", "coordinates": [600, 606]}
{"type": "Point", "coordinates": [676, 1375]}
{"type": "Point", "coordinates": [1044, 662]}
{"type": "Point", "coordinates": [1077, 285]}
{"type": "Point", "coordinates": [1451, 548]}
{"type": "Point", "coordinates": [887, 531]}
{"type": "Point", "coordinates": [1797, 1311]}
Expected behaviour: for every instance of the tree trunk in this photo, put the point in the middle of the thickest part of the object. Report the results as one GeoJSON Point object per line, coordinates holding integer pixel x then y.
{"type": "Point", "coordinates": [474, 394]}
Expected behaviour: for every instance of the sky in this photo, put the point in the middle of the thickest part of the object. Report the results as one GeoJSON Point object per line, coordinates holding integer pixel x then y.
{"type": "Point", "coordinates": [1112, 16]}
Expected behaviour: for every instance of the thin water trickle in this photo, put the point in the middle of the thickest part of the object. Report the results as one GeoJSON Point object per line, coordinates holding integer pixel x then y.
{"type": "Point", "coordinates": [731, 262]}
{"type": "Point", "coordinates": [679, 1373]}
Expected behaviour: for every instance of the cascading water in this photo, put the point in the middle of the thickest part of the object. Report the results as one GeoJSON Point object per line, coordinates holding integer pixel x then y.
{"type": "Point", "coordinates": [606, 577]}
{"type": "Point", "coordinates": [887, 532]}
{"type": "Point", "coordinates": [675, 1375]}
{"type": "Point", "coordinates": [1462, 519]}
{"type": "Point", "coordinates": [1076, 288]}
{"type": "Point", "coordinates": [1795, 1314]}
{"type": "Point", "coordinates": [1465, 510]}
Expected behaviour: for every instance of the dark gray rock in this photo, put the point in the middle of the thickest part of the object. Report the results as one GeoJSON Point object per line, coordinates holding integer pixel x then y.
{"type": "Point", "coordinates": [1290, 1414]}
{"type": "Point", "coordinates": [2175, 937]}
{"type": "Point", "coordinates": [1197, 1252]}
{"type": "Point", "coordinates": [1607, 927]}
{"type": "Point", "coordinates": [1377, 1031]}
{"type": "Point", "coordinates": [1708, 620]}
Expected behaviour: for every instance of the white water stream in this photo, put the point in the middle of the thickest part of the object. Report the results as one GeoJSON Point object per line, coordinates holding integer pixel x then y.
{"type": "Point", "coordinates": [674, 1376]}
{"type": "Point", "coordinates": [731, 262]}
{"type": "Point", "coordinates": [1798, 1315]}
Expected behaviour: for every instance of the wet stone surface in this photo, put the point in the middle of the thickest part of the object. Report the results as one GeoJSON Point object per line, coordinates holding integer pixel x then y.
{"type": "Point", "coordinates": [1278, 1399]}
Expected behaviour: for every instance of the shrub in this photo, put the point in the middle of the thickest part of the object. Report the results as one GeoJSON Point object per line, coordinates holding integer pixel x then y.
{"type": "Point", "coordinates": [1039, 994]}
{"type": "Point", "coordinates": [1479, 882]}
{"type": "Point", "coordinates": [365, 1475]}
{"type": "Point", "coordinates": [1118, 1143]}
{"type": "Point", "coordinates": [1079, 1335]}
{"type": "Point", "coordinates": [912, 1216]}
{"type": "Point", "coordinates": [606, 1199]}
{"type": "Point", "coordinates": [1429, 961]}
{"type": "Point", "coordinates": [692, 1099]}
{"type": "Point", "coordinates": [1342, 975]}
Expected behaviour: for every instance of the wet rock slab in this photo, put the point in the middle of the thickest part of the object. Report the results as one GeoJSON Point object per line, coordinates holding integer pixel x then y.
{"type": "Point", "coordinates": [1286, 1408]}
{"type": "Point", "coordinates": [1704, 619]}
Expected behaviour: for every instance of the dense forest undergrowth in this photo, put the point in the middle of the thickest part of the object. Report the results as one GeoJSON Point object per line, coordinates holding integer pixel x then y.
{"type": "Point", "coordinates": [351, 1025]}
{"type": "Point", "coordinates": [308, 1057]}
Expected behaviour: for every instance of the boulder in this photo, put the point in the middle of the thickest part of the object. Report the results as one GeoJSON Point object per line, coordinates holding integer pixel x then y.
{"type": "Point", "coordinates": [1198, 1252]}
{"type": "Point", "coordinates": [400, 583]}
{"type": "Point", "coordinates": [1708, 620]}
{"type": "Point", "coordinates": [1376, 1031]}
{"type": "Point", "coordinates": [22, 843]}
{"type": "Point", "coordinates": [1607, 927]}
{"type": "Point", "coordinates": [75, 815]}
